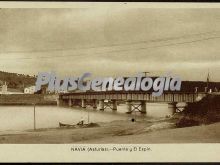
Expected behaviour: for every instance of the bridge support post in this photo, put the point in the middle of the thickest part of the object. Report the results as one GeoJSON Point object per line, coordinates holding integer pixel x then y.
{"type": "Point", "coordinates": [172, 107]}
{"type": "Point", "coordinates": [143, 107]}
{"type": "Point", "coordinates": [83, 103]}
{"type": "Point", "coordinates": [70, 103]}
{"type": "Point", "coordinates": [101, 105]}
{"type": "Point", "coordinates": [128, 103]}
{"type": "Point", "coordinates": [60, 102]}
{"type": "Point", "coordinates": [114, 105]}
{"type": "Point", "coordinates": [94, 104]}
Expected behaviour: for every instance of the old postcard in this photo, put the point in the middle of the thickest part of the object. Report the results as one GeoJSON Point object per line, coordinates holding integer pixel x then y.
{"type": "Point", "coordinates": [109, 82]}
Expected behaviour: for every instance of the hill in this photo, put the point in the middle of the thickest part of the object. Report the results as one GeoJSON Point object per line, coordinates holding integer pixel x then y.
{"type": "Point", "coordinates": [16, 81]}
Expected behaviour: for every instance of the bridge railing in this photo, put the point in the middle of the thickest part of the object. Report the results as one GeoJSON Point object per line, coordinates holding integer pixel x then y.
{"type": "Point", "coordinates": [133, 96]}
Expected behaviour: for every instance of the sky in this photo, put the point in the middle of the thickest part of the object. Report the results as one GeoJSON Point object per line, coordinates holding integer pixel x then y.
{"type": "Point", "coordinates": [111, 41]}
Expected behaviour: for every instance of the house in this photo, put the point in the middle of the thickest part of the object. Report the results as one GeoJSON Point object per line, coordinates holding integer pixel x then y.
{"type": "Point", "coordinates": [4, 88]}
{"type": "Point", "coordinates": [29, 90]}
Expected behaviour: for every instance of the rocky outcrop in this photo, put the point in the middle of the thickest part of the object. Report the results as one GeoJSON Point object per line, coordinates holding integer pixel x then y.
{"type": "Point", "coordinates": [205, 111]}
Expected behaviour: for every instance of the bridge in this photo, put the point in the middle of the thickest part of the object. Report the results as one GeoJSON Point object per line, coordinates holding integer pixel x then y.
{"type": "Point", "coordinates": [135, 100]}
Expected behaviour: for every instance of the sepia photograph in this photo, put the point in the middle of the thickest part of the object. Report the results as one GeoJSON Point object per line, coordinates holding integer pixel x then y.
{"type": "Point", "coordinates": [117, 74]}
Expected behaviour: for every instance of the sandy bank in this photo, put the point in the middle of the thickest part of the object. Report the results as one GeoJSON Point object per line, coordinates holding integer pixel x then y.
{"type": "Point", "coordinates": [119, 132]}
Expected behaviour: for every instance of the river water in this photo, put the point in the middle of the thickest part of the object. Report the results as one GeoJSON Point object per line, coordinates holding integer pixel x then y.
{"type": "Point", "coordinates": [22, 117]}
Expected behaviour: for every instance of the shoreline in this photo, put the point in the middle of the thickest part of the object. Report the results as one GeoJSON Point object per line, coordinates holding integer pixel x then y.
{"type": "Point", "coordinates": [117, 132]}
{"type": "Point", "coordinates": [27, 99]}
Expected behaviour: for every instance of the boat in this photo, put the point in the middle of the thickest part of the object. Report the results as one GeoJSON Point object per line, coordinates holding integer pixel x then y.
{"type": "Point", "coordinates": [66, 125]}
{"type": "Point", "coordinates": [78, 125]}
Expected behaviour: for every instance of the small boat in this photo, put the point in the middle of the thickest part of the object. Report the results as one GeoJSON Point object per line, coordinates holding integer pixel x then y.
{"type": "Point", "coordinates": [65, 125]}
{"type": "Point", "coordinates": [72, 125]}
{"type": "Point", "coordinates": [78, 125]}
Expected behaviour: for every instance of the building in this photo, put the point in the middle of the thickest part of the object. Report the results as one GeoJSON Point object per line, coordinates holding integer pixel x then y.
{"type": "Point", "coordinates": [4, 88]}
{"type": "Point", "coordinates": [29, 90]}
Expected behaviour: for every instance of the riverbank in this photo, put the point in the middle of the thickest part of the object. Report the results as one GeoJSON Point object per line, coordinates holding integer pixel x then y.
{"type": "Point", "coordinates": [118, 132]}
{"type": "Point", "coordinates": [27, 99]}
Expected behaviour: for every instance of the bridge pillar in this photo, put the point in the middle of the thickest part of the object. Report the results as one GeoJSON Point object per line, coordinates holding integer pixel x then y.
{"type": "Point", "coordinates": [83, 103]}
{"type": "Point", "coordinates": [114, 105]}
{"type": "Point", "coordinates": [128, 103]}
{"type": "Point", "coordinates": [143, 107]}
{"type": "Point", "coordinates": [60, 102]}
{"type": "Point", "coordinates": [70, 103]}
{"type": "Point", "coordinates": [94, 104]}
{"type": "Point", "coordinates": [172, 107]}
{"type": "Point", "coordinates": [101, 105]}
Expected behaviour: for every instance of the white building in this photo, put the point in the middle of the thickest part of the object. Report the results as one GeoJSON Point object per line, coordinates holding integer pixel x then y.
{"type": "Point", "coordinates": [4, 88]}
{"type": "Point", "coordinates": [29, 90]}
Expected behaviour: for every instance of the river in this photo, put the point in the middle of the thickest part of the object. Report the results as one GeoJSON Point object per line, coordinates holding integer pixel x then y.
{"type": "Point", "coordinates": [22, 117]}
